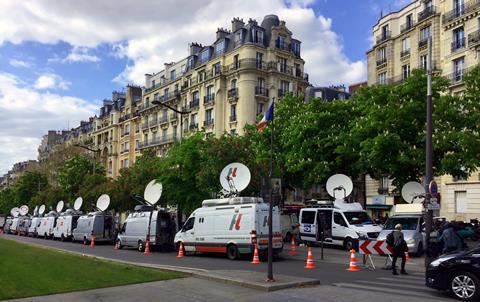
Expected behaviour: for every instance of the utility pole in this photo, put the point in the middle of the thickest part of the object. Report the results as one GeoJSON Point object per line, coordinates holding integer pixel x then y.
{"type": "Point", "coordinates": [429, 156]}
{"type": "Point", "coordinates": [270, 207]}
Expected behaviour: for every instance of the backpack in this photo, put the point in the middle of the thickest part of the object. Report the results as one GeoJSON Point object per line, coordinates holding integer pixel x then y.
{"type": "Point", "coordinates": [390, 240]}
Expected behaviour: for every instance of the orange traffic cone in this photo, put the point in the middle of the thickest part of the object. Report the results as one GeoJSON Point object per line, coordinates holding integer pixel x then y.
{"type": "Point", "coordinates": [92, 242]}
{"type": "Point", "coordinates": [353, 262]}
{"type": "Point", "coordinates": [310, 263]}
{"type": "Point", "coordinates": [180, 250]}
{"type": "Point", "coordinates": [256, 259]}
{"type": "Point", "coordinates": [292, 247]}
{"type": "Point", "coordinates": [147, 248]}
{"type": "Point", "coordinates": [407, 256]}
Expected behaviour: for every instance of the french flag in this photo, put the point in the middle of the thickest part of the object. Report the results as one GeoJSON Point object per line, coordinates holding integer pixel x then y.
{"type": "Point", "coordinates": [268, 116]}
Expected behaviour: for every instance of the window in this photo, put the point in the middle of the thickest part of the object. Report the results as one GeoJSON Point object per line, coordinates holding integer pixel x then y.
{"type": "Point", "coordinates": [425, 33]}
{"type": "Point", "coordinates": [385, 32]}
{"type": "Point", "coordinates": [154, 136]}
{"type": "Point", "coordinates": [296, 48]}
{"type": "Point", "coordinates": [153, 83]}
{"type": "Point", "coordinates": [195, 98]}
{"type": "Point", "coordinates": [260, 107]}
{"type": "Point", "coordinates": [428, 5]}
{"type": "Point", "coordinates": [382, 55]}
{"type": "Point", "coordinates": [194, 120]}
{"type": "Point", "coordinates": [164, 134]}
{"type": "Point", "coordinates": [236, 62]}
{"type": "Point", "coordinates": [382, 78]}
{"type": "Point", "coordinates": [405, 71]}
{"type": "Point", "coordinates": [257, 36]}
{"type": "Point", "coordinates": [209, 94]}
{"type": "Point", "coordinates": [308, 217]}
{"type": "Point", "coordinates": [383, 185]}
{"type": "Point", "coordinates": [217, 69]}
{"type": "Point", "coordinates": [173, 76]}
{"type": "Point", "coordinates": [458, 69]}
{"type": "Point", "coordinates": [220, 48]}
{"type": "Point", "coordinates": [233, 84]}
{"type": "Point", "coordinates": [145, 138]}
{"type": "Point", "coordinates": [284, 86]}
{"type": "Point", "coordinates": [259, 59]}
{"type": "Point", "coordinates": [406, 45]}
{"type": "Point", "coordinates": [191, 63]}
{"type": "Point", "coordinates": [461, 204]}
{"type": "Point", "coordinates": [125, 163]}
{"type": "Point", "coordinates": [458, 39]}
{"type": "Point", "coordinates": [459, 7]}
{"type": "Point", "coordinates": [280, 42]}
{"type": "Point", "coordinates": [282, 64]}
{"type": "Point", "coordinates": [423, 62]}
{"type": "Point", "coordinates": [183, 68]}
{"type": "Point", "coordinates": [204, 56]}
{"type": "Point", "coordinates": [233, 112]}
{"type": "Point", "coordinates": [174, 132]}
{"type": "Point", "coordinates": [238, 38]}
{"type": "Point", "coordinates": [189, 224]}
{"type": "Point", "coordinates": [208, 117]}
{"type": "Point", "coordinates": [338, 219]}
{"type": "Point", "coordinates": [409, 21]}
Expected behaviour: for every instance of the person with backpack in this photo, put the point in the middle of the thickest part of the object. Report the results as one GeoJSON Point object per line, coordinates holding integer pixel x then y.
{"type": "Point", "coordinates": [399, 247]}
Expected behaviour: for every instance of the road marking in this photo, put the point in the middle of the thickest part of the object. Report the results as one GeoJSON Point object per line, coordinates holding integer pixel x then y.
{"type": "Point", "coordinates": [387, 284]}
{"type": "Point", "coordinates": [424, 293]}
{"type": "Point", "coordinates": [401, 280]}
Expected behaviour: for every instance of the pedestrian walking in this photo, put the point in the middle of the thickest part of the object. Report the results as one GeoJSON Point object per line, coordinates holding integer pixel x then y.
{"type": "Point", "coordinates": [451, 241]}
{"type": "Point", "coordinates": [399, 247]}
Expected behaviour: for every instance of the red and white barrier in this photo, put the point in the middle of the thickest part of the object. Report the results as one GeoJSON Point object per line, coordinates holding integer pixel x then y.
{"type": "Point", "coordinates": [374, 247]}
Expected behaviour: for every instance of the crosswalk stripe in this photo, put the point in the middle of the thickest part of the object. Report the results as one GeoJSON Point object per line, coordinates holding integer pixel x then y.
{"type": "Point", "coordinates": [423, 294]}
{"type": "Point", "coordinates": [401, 280]}
{"type": "Point", "coordinates": [420, 286]}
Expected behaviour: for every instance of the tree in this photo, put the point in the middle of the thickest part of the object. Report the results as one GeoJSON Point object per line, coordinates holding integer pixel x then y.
{"type": "Point", "coordinates": [28, 186]}
{"type": "Point", "coordinates": [7, 201]}
{"type": "Point", "coordinates": [73, 173]}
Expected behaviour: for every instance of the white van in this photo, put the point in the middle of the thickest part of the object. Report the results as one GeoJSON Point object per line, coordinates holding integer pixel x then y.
{"type": "Point", "coordinates": [345, 224]}
{"type": "Point", "coordinates": [32, 229]}
{"type": "Point", "coordinates": [231, 226]}
{"type": "Point", "coordinates": [47, 223]}
{"type": "Point", "coordinates": [65, 225]}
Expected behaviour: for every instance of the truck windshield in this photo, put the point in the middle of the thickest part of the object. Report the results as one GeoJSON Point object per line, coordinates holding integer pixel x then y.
{"type": "Point", "coordinates": [408, 223]}
{"type": "Point", "coordinates": [358, 218]}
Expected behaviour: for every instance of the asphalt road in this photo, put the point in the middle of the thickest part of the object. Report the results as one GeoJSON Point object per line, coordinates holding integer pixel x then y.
{"type": "Point", "coordinates": [330, 271]}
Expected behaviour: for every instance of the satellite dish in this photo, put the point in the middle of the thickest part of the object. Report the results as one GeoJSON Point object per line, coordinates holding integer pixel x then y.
{"type": "Point", "coordinates": [235, 177]}
{"type": "Point", "coordinates": [24, 210]}
{"type": "Point", "coordinates": [153, 192]}
{"type": "Point", "coordinates": [41, 210]}
{"type": "Point", "coordinates": [103, 202]}
{"type": "Point", "coordinates": [339, 185]}
{"type": "Point", "coordinates": [35, 211]}
{"type": "Point", "coordinates": [78, 203]}
{"type": "Point", "coordinates": [413, 192]}
{"type": "Point", "coordinates": [60, 206]}
{"type": "Point", "coordinates": [14, 211]}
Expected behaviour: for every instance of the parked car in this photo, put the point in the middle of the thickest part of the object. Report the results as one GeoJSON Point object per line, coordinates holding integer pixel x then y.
{"type": "Point", "coordinates": [290, 226]}
{"type": "Point", "coordinates": [411, 229]}
{"type": "Point", "coordinates": [458, 273]}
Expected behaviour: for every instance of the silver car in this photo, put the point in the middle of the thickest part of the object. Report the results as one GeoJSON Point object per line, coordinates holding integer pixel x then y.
{"type": "Point", "coordinates": [412, 231]}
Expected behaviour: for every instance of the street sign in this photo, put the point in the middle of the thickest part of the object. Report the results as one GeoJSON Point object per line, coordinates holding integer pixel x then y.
{"type": "Point", "coordinates": [433, 188]}
{"type": "Point", "coordinates": [374, 247]}
{"type": "Point", "coordinates": [433, 204]}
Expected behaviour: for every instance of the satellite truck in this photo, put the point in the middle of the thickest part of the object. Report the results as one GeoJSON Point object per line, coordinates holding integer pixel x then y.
{"type": "Point", "coordinates": [24, 221]}
{"type": "Point", "coordinates": [231, 225]}
{"type": "Point", "coordinates": [98, 225]}
{"type": "Point", "coordinates": [47, 223]}
{"type": "Point", "coordinates": [12, 229]}
{"type": "Point", "coordinates": [338, 222]}
{"type": "Point", "coordinates": [148, 223]}
{"type": "Point", "coordinates": [36, 221]}
{"type": "Point", "coordinates": [67, 221]}
{"type": "Point", "coordinates": [410, 216]}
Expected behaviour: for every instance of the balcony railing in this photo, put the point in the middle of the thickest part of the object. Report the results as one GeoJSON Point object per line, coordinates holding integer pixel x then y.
{"type": "Point", "coordinates": [208, 123]}
{"type": "Point", "coordinates": [422, 42]}
{"type": "Point", "coordinates": [155, 141]}
{"type": "Point", "coordinates": [458, 44]}
{"type": "Point", "coordinates": [232, 93]}
{"type": "Point", "coordinates": [209, 98]}
{"type": "Point", "coordinates": [145, 106]}
{"type": "Point", "coordinates": [404, 53]}
{"type": "Point", "coordinates": [282, 93]}
{"type": "Point", "coordinates": [406, 27]}
{"type": "Point", "coordinates": [164, 119]}
{"type": "Point", "coordinates": [173, 117]}
{"type": "Point", "coordinates": [384, 36]}
{"type": "Point", "coordinates": [246, 64]}
{"type": "Point", "coordinates": [462, 10]}
{"type": "Point", "coordinates": [261, 91]}
{"type": "Point", "coordinates": [427, 12]}
{"type": "Point", "coordinates": [145, 125]}
{"type": "Point", "coordinates": [194, 104]}
{"type": "Point", "coordinates": [193, 126]}
{"type": "Point", "coordinates": [457, 76]}
{"type": "Point", "coordinates": [474, 38]}
{"type": "Point", "coordinates": [381, 61]}
{"type": "Point", "coordinates": [153, 122]}
{"type": "Point", "coordinates": [124, 118]}
{"type": "Point", "coordinates": [233, 118]}
{"type": "Point", "coordinates": [282, 45]}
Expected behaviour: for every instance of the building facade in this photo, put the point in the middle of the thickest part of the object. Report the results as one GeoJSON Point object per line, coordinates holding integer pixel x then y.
{"type": "Point", "coordinates": [401, 40]}
{"type": "Point", "coordinates": [223, 86]}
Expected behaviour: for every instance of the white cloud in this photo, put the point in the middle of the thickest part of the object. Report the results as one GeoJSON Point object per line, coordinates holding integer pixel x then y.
{"type": "Point", "coordinates": [78, 54]}
{"type": "Point", "coordinates": [19, 63]}
{"type": "Point", "coordinates": [26, 115]}
{"type": "Point", "coordinates": [51, 81]}
{"type": "Point", "coordinates": [158, 32]}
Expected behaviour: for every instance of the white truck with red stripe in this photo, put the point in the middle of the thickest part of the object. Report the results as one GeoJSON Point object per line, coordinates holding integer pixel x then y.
{"type": "Point", "coordinates": [231, 226]}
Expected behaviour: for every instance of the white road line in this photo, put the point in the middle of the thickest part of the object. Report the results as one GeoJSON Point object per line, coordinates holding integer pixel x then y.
{"type": "Point", "coordinates": [396, 285]}
{"type": "Point", "coordinates": [424, 294]}
{"type": "Point", "coordinates": [401, 280]}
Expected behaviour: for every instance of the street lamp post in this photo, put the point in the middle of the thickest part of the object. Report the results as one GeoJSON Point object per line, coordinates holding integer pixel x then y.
{"type": "Point", "coordinates": [94, 154]}
{"type": "Point", "coordinates": [181, 112]}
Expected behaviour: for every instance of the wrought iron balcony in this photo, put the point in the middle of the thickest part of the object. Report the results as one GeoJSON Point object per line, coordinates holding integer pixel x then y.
{"type": "Point", "coordinates": [404, 53]}
{"type": "Point", "coordinates": [423, 42]}
{"type": "Point", "coordinates": [194, 104]}
{"type": "Point", "coordinates": [282, 93]}
{"type": "Point", "coordinates": [261, 91]}
{"type": "Point", "coordinates": [406, 27]}
{"type": "Point", "coordinates": [208, 123]}
{"type": "Point", "coordinates": [232, 93]}
{"type": "Point", "coordinates": [163, 119]}
{"type": "Point", "coordinates": [458, 44]}
{"type": "Point", "coordinates": [233, 118]}
{"type": "Point", "coordinates": [427, 12]}
{"type": "Point", "coordinates": [209, 98]}
{"type": "Point", "coordinates": [384, 36]}
{"type": "Point", "coordinates": [381, 61]}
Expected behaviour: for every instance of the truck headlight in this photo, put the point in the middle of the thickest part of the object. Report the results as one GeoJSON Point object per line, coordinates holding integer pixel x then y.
{"type": "Point", "coordinates": [410, 241]}
{"type": "Point", "coordinates": [362, 236]}
{"type": "Point", "coordinates": [439, 261]}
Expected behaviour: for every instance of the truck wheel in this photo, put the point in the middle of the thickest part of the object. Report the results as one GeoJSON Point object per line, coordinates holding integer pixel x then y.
{"type": "Point", "coordinates": [141, 247]}
{"type": "Point", "coordinates": [232, 252]}
{"type": "Point", "coordinates": [464, 286]}
{"type": "Point", "coordinates": [348, 244]}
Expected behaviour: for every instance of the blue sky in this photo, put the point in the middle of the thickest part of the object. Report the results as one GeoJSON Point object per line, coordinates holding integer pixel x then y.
{"type": "Point", "coordinates": [57, 64]}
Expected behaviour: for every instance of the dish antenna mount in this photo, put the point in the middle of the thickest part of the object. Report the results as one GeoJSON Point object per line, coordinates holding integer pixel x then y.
{"type": "Point", "coordinates": [103, 202]}
{"type": "Point", "coordinates": [234, 178]}
{"type": "Point", "coordinates": [153, 192]}
{"type": "Point", "coordinates": [413, 192]}
{"type": "Point", "coordinates": [60, 206]}
{"type": "Point", "coordinates": [339, 183]}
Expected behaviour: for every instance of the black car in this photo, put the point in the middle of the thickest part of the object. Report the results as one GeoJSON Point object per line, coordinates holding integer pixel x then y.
{"type": "Point", "coordinates": [458, 273]}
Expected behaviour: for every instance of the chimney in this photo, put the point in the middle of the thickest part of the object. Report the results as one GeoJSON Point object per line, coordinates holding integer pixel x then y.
{"type": "Point", "coordinates": [237, 23]}
{"type": "Point", "coordinates": [222, 33]}
{"type": "Point", "coordinates": [195, 48]}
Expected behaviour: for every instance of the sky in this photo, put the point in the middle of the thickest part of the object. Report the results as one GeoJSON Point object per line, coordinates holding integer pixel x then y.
{"type": "Point", "coordinates": [60, 59]}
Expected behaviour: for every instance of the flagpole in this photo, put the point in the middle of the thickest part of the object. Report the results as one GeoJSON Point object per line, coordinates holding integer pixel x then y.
{"type": "Point", "coordinates": [270, 208]}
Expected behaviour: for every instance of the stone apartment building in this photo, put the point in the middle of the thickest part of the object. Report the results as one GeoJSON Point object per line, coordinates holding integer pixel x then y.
{"type": "Point", "coordinates": [401, 45]}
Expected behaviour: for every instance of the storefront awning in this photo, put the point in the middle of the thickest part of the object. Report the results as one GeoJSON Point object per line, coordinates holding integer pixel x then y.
{"type": "Point", "coordinates": [379, 206]}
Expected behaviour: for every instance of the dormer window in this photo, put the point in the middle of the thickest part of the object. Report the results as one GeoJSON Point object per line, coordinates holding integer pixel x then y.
{"type": "Point", "coordinates": [257, 36]}
{"type": "Point", "coordinates": [296, 48]}
{"type": "Point", "coordinates": [204, 56]}
{"type": "Point", "coordinates": [191, 63]}
{"type": "Point", "coordinates": [238, 38]}
{"type": "Point", "coordinates": [280, 42]}
{"type": "Point", "coordinates": [220, 48]}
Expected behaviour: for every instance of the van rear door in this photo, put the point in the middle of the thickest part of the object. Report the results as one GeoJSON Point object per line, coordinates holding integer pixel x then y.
{"type": "Point", "coordinates": [308, 224]}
